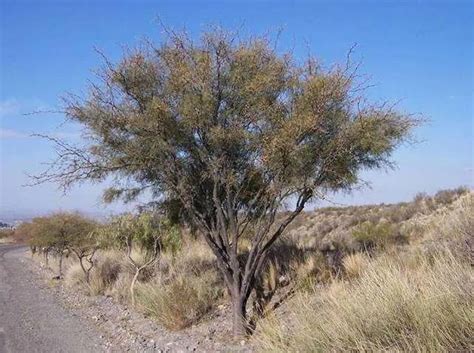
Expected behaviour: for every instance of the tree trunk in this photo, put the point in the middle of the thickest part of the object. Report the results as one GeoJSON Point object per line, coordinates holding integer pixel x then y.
{"type": "Point", "coordinates": [86, 272]}
{"type": "Point", "coordinates": [61, 265]}
{"type": "Point", "coordinates": [239, 314]}
{"type": "Point", "coordinates": [132, 286]}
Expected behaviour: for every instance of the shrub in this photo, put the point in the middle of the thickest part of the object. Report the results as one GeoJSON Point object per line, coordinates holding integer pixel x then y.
{"type": "Point", "coordinates": [120, 289]}
{"type": "Point", "coordinates": [371, 236]}
{"type": "Point", "coordinates": [445, 197]}
{"type": "Point", "coordinates": [420, 197]}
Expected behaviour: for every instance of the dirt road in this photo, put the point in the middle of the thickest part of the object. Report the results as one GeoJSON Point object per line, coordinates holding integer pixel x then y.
{"type": "Point", "coordinates": [30, 318]}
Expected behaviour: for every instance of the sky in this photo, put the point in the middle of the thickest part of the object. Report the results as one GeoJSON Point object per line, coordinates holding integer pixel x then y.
{"type": "Point", "coordinates": [418, 54]}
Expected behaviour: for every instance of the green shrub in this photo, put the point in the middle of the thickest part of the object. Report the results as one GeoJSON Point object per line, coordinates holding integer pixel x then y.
{"type": "Point", "coordinates": [372, 236]}
{"type": "Point", "coordinates": [172, 240]}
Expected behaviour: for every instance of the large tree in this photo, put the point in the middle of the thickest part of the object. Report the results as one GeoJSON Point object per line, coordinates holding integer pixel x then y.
{"type": "Point", "coordinates": [231, 131]}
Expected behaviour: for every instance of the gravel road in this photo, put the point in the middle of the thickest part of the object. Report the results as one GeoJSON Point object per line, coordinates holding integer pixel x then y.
{"type": "Point", "coordinates": [30, 318]}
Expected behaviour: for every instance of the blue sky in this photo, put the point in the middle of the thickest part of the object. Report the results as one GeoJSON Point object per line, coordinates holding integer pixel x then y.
{"type": "Point", "coordinates": [418, 53]}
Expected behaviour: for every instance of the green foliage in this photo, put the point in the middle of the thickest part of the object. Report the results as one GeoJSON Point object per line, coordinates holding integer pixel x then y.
{"type": "Point", "coordinates": [183, 117]}
{"type": "Point", "coordinates": [377, 235]}
{"type": "Point", "coordinates": [59, 231]}
{"type": "Point", "coordinates": [141, 231]}
{"type": "Point", "coordinates": [172, 240]}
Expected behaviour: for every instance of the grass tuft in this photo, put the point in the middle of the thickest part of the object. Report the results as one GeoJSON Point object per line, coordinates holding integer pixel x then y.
{"type": "Point", "coordinates": [180, 302]}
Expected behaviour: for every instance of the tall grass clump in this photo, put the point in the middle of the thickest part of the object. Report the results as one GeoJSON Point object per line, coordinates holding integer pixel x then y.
{"type": "Point", "coordinates": [387, 308]}
{"type": "Point", "coordinates": [179, 302]}
{"type": "Point", "coordinates": [454, 230]}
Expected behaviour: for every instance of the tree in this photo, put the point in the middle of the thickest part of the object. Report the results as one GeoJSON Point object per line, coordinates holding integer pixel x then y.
{"type": "Point", "coordinates": [145, 231]}
{"type": "Point", "coordinates": [84, 245]}
{"type": "Point", "coordinates": [59, 232]}
{"type": "Point", "coordinates": [233, 131]}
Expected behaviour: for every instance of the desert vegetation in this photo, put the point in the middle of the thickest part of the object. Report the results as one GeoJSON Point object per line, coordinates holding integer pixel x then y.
{"type": "Point", "coordinates": [331, 283]}
{"type": "Point", "coordinates": [412, 295]}
{"type": "Point", "coordinates": [228, 131]}
{"type": "Point", "coordinates": [231, 140]}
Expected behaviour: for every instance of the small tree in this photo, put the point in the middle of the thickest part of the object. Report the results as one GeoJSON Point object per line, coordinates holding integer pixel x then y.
{"type": "Point", "coordinates": [84, 247]}
{"type": "Point", "coordinates": [59, 232]}
{"type": "Point", "coordinates": [145, 232]}
{"type": "Point", "coordinates": [233, 131]}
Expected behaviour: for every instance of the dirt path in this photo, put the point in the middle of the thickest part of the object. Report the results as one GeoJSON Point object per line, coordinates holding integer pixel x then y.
{"type": "Point", "coordinates": [30, 318]}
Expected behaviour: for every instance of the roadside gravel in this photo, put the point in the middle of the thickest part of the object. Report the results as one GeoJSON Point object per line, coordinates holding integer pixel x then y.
{"type": "Point", "coordinates": [31, 319]}
{"type": "Point", "coordinates": [113, 327]}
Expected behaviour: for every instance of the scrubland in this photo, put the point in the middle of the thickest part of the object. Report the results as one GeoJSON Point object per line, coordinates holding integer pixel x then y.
{"type": "Point", "coordinates": [365, 278]}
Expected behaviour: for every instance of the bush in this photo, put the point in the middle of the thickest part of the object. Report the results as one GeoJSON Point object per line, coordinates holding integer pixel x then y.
{"type": "Point", "coordinates": [120, 289]}
{"type": "Point", "coordinates": [387, 309]}
{"type": "Point", "coordinates": [371, 236]}
{"type": "Point", "coordinates": [445, 197]}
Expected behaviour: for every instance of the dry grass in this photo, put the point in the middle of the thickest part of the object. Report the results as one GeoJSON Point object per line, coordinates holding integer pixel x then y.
{"type": "Point", "coordinates": [74, 276]}
{"type": "Point", "coordinates": [387, 308]}
{"type": "Point", "coordinates": [185, 287]}
{"type": "Point", "coordinates": [108, 267]}
{"type": "Point", "coordinates": [355, 265]}
{"type": "Point", "coordinates": [180, 302]}
{"type": "Point", "coordinates": [453, 229]}
{"type": "Point", "coordinates": [106, 276]}
{"type": "Point", "coordinates": [415, 298]}
{"type": "Point", "coordinates": [406, 288]}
